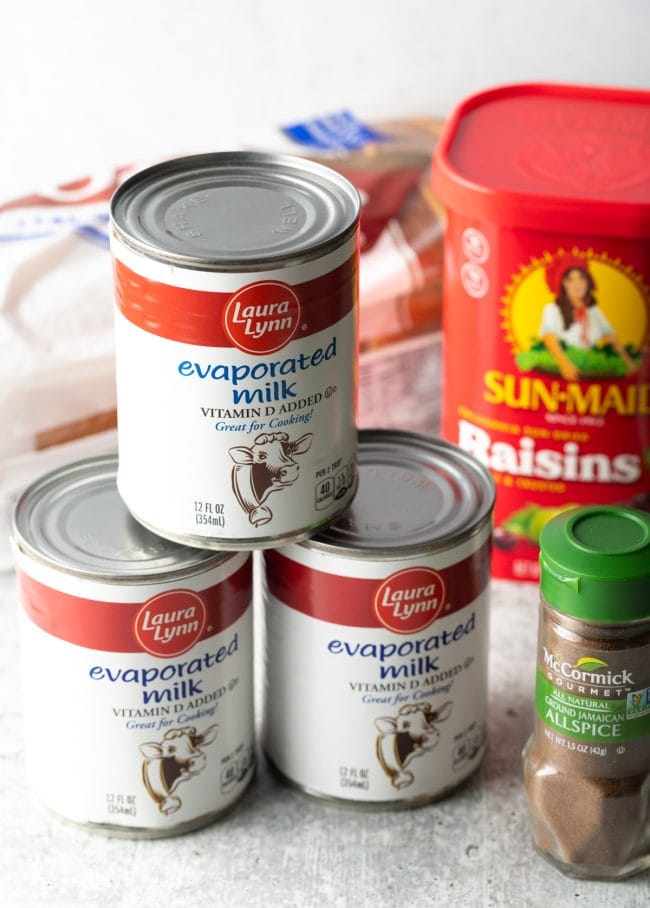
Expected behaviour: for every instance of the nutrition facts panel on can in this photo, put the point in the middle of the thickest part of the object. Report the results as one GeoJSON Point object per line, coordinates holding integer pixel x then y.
{"type": "Point", "coordinates": [338, 480]}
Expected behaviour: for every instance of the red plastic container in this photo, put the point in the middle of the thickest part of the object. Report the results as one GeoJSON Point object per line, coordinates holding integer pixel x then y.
{"type": "Point", "coordinates": [546, 312]}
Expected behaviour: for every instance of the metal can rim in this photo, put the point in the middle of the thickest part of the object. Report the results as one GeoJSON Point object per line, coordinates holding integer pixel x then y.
{"type": "Point", "coordinates": [321, 543]}
{"type": "Point", "coordinates": [228, 262]}
{"type": "Point", "coordinates": [204, 560]}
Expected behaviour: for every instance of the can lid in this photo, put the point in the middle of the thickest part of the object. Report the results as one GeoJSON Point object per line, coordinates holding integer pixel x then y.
{"type": "Point", "coordinates": [74, 519]}
{"type": "Point", "coordinates": [416, 494]}
{"type": "Point", "coordinates": [595, 563]}
{"type": "Point", "coordinates": [234, 210]}
{"type": "Point", "coordinates": [564, 158]}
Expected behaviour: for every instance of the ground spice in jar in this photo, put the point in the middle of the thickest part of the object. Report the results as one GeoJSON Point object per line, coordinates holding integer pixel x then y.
{"type": "Point", "coordinates": [587, 762]}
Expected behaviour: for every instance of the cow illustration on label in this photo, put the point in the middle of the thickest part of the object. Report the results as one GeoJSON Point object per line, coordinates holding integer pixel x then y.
{"type": "Point", "coordinates": [410, 734]}
{"type": "Point", "coordinates": [175, 759]}
{"type": "Point", "coordinates": [268, 465]}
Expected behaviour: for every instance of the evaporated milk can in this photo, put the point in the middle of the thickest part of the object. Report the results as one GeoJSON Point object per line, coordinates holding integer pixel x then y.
{"type": "Point", "coordinates": [236, 309]}
{"type": "Point", "coordinates": [377, 632]}
{"type": "Point", "coordinates": [137, 662]}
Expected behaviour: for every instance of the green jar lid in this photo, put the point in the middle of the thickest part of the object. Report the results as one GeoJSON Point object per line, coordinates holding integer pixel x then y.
{"type": "Point", "coordinates": [595, 564]}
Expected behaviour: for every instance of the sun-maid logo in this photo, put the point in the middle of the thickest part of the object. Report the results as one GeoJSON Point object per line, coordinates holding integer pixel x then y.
{"type": "Point", "coordinates": [262, 317]}
{"type": "Point", "coordinates": [409, 600]}
{"type": "Point", "coordinates": [170, 623]}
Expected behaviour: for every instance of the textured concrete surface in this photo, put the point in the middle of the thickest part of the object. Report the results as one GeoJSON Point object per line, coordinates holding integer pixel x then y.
{"type": "Point", "coordinates": [281, 848]}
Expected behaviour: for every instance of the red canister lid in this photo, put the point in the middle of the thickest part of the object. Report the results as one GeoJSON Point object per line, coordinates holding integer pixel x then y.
{"type": "Point", "coordinates": [550, 157]}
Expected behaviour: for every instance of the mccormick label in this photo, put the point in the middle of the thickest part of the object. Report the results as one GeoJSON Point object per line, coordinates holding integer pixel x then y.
{"type": "Point", "coordinates": [241, 386]}
{"type": "Point", "coordinates": [147, 689]}
{"type": "Point", "coordinates": [591, 701]}
{"type": "Point", "coordinates": [557, 400]}
{"type": "Point", "coordinates": [376, 671]}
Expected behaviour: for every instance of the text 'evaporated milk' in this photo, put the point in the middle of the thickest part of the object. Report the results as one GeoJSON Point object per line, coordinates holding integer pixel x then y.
{"type": "Point", "coordinates": [377, 631]}
{"type": "Point", "coordinates": [236, 308]}
{"type": "Point", "coordinates": [137, 662]}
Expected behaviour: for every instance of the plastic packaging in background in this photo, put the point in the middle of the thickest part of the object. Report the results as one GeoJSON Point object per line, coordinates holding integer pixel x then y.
{"type": "Point", "coordinates": [400, 384]}
{"type": "Point", "coordinates": [56, 309]}
{"type": "Point", "coordinates": [16, 473]}
{"type": "Point", "coordinates": [401, 264]}
{"type": "Point", "coordinates": [57, 386]}
{"type": "Point", "coordinates": [56, 368]}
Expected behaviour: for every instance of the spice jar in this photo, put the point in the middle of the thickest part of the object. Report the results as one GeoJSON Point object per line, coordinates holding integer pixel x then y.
{"type": "Point", "coordinates": [587, 762]}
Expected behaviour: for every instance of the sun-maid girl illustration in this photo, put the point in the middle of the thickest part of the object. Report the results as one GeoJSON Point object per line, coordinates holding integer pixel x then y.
{"type": "Point", "coordinates": [574, 319]}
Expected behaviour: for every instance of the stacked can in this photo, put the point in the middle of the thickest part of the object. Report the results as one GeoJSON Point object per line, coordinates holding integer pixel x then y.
{"type": "Point", "coordinates": [236, 317]}
{"type": "Point", "coordinates": [236, 293]}
{"type": "Point", "coordinates": [235, 284]}
{"type": "Point", "coordinates": [138, 652]}
{"type": "Point", "coordinates": [377, 631]}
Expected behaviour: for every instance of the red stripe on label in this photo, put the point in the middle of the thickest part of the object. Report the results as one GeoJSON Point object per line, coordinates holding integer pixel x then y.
{"type": "Point", "coordinates": [111, 626]}
{"type": "Point", "coordinates": [352, 601]}
{"type": "Point", "coordinates": [196, 316]}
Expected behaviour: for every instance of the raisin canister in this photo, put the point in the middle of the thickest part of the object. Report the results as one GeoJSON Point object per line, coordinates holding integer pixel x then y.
{"type": "Point", "coordinates": [587, 763]}
{"type": "Point", "coordinates": [546, 311]}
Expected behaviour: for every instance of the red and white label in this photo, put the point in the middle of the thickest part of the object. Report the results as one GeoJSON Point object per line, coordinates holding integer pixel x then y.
{"type": "Point", "coordinates": [138, 676]}
{"type": "Point", "coordinates": [210, 309]}
{"type": "Point", "coordinates": [375, 671]}
{"type": "Point", "coordinates": [241, 386]}
{"type": "Point", "coordinates": [170, 623]}
{"type": "Point", "coordinates": [406, 601]}
{"type": "Point", "coordinates": [262, 317]}
{"type": "Point", "coordinates": [409, 600]}
{"type": "Point", "coordinates": [165, 625]}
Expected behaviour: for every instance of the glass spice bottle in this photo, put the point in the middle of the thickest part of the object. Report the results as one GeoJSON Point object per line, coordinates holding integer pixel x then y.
{"type": "Point", "coordinates": [587, 762]}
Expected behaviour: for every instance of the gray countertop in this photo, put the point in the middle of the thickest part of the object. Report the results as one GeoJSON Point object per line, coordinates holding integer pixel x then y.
{"type": "Point", "coordinates": [278, 847]}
